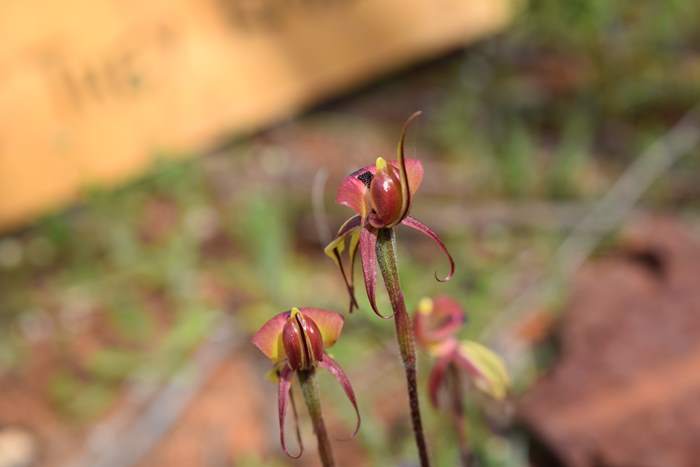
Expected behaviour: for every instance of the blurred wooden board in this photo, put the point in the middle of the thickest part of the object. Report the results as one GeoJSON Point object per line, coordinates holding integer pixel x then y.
{"type": "Point", "coordinates": [92, 90]}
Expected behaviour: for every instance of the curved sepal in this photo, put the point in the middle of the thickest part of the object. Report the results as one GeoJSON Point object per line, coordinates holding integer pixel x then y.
{"type": "Point", "coordinates": [352, 253]}
{"type": "Point", "coordinates": [485, 367]}
{"type": "Point", "coordinates": [335, 249]}
{"type": "Point", "coordinates": [403, 172]}
{"type": "Point", "coordinates": [333, 368]}
{"type": "Point", "coordinates": [437, 375]}
{"type": "Point", "coordinates": [414, 223]}
{"type": "Point", "coordinates": [368, 256]}
{"type": "Point", "coordinates": [284, 395]}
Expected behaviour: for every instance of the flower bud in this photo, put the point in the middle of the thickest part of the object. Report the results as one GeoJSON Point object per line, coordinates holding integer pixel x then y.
{"type": "Point", "coordinates": [302, 341]}
{"type": "Point", "coordinates": [385, 195]}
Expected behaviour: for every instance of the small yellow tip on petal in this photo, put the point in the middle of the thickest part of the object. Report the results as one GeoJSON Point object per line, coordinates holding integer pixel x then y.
{"type": "Point", "coordinates": [380, 164]}
{"type": "Point", "coordinates": [294, 312]}
{"type": "Point", "coordinates": [425, 306]}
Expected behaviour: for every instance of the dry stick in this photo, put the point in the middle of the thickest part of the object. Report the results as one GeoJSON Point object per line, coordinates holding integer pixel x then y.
{"type": "Point", "coordinates": [309, 387]}
{"type": "Point", "coordinates": [454, 379]}
{"type": "Point", "coordinates": [386, 257]}
{"type": "Point", "coordinates": [604, 217]}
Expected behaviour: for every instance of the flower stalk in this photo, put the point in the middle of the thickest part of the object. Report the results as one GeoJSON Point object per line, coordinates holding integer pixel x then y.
{"type": "Point", "coordinates": [457, 414]}
{"type": "Point", "coordinates": [386, 259]}
{"type": "Point", "coordinates": [309, 388]}
{"type": "Point", "coordinates": [437, 323]}
{"type": "Point", "coordinates": [296, 341]}
{"type": "Point", "coordinates": [381, 195]}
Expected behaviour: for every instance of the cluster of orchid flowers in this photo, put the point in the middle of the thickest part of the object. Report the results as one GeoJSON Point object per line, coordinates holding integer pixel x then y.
{"type": "Point", "coordinates": [296, 341]}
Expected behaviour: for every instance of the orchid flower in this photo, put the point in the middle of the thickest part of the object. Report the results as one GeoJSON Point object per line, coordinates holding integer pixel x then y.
{"type": "Point", "coordinates": [296, 342]}
{"type": "Point", "coordinates": [381, 196]}
{"type": "Point", "coordinates": [436, 324]}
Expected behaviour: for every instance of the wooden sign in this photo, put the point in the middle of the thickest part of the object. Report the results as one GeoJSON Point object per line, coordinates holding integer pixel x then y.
{"type": "Point", "coordinates": [92, 90]}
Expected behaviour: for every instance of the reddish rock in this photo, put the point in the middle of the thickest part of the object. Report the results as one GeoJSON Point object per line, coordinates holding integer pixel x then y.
{"type": "Point", "coordinates": [626, 389]}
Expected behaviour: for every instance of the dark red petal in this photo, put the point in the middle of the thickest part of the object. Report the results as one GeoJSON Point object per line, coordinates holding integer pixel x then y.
{"type": "Point", "coordinates": [437, 376]}
{"type": "Point", "coordinates": [294, 346]}
{"type": "Point", "coordinates": [414, 223]}
{"type": "Point", "coordinates": [368, 255]}
{"type": "Point", "coordinates": [403, 173]}
{"type": "Point", "coordinates": [285, 385]}
{"type": "Point", "coordinates": [312, 337]}
{"type": "Point", "coordinates": [332, 366]}
{"type": "Point", "coordinates": [385, 195]}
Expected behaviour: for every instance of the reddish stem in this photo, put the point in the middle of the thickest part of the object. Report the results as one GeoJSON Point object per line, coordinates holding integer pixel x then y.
{"type": "Point", "coordinates": [454, 381]}
{"type": "Point", "coordinates": [309, 387]}
{"type": "Point", "coordinates": [386, 257]}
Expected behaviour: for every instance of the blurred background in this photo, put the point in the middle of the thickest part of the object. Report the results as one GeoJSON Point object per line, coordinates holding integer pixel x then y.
{"type": "Point", "coordinates": [153, 217]}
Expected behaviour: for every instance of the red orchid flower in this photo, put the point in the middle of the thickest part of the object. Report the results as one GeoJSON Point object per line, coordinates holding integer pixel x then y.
{"type": "Point", "coordinates": [296, 341]}
{"type": "Point", "coordinates": [437, 320]}
{"type": "Point", "coordinates": [380, 195]}
{"type": "Point", "coordinates": [436, 324]}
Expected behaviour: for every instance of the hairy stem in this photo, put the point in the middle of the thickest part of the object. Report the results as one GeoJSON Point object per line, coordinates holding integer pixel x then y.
{"type": "Point", "coordinates": [309, 387]}
{"type": "Point", "coordinates": [454, 381]}
{"type": "Point", "coordinates": [386, 258]}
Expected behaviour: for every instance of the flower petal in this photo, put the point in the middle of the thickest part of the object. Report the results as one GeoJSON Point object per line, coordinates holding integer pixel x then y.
{"type": "Point", "coordinates": [368, 255]}
{"type": "Point", "coordinates": [334, 249]}
{"type": "Point", "coordinates": [329, 323]}
{"type": "Point", "coordinates": [284, 394]}
{"type": "Point", "coordinates": [437, 375]}
{"type": "Point", "coordinates": [268, 339]}
{"type": "Point", "coordinates": [437, 319]}
{"type": "Point", "coordinates": [332, 366]}
{"type": "Point", "coordinates": [352, 253]}
{"type": "Point", "coordinates": [487, 368]}
{"type": "Point", "coordinates": [414, 223]}
{"type": "Point", "coordinates": [414, 171]}
{"type": "Point", "coordinates": [403, 172]}
{"type": "Point", "coordinates": [351, 193]}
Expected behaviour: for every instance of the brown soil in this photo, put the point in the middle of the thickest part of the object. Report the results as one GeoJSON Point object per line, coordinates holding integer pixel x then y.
{"type": "Point", "coordinates": [626, 390]}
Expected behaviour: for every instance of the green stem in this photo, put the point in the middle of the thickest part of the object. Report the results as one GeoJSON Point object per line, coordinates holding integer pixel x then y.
{"type": "Point", "coordinates": [309, 387]}
{"type": "Point", "coordinates": [386, 258]}
{"type": "Point", "coordinates": [454, 381]}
